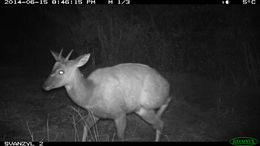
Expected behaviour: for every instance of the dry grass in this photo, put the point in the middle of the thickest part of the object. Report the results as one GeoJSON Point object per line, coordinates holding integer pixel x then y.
{"type": "Point", "coordinates": [32, 115]}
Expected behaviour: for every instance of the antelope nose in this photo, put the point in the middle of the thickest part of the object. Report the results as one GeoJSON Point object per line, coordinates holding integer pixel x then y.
{"type": "Point", "coordinates": [46, 87]}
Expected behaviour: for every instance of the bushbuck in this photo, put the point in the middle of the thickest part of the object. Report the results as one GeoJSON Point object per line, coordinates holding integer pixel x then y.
{"type": "Point", "coordinates": [112, 92]}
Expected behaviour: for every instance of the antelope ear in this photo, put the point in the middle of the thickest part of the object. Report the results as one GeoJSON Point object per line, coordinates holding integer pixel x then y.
{"type": "Point", "coordinates": [82, 60]}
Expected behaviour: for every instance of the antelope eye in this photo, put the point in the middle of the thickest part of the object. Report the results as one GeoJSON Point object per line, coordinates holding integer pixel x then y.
{"type": "Point", "coordinates": [61, 72]}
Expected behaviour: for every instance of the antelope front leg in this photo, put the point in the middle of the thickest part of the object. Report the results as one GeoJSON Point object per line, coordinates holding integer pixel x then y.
{"type": "Point", "coordinates": [120, 126]}
{"type": "Point", "coordinates": [90, 122]}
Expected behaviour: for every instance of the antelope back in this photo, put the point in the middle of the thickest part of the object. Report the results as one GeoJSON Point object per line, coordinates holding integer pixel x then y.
{"type": "Point", "coordinates": [128, 87]}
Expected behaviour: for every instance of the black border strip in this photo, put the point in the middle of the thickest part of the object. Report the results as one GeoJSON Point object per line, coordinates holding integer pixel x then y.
{"type": "Point", "coordinates": [4, 143]}
{"type": "Point", "coordinates": [120, 2]}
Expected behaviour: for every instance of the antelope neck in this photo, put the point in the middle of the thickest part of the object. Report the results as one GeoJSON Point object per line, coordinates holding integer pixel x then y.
{"type": "Point", "coordinates": [80, 89]}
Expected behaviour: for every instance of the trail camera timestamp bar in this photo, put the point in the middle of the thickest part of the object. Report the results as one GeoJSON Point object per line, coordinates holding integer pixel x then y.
{"type": "Point", "coordinates": [64, 2]}
{"type": "Point", "coordinates": [124, 2]}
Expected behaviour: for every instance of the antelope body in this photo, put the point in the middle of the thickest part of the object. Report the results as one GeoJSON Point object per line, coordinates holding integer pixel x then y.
{"type": "Point", "coordinates": [113, 92]}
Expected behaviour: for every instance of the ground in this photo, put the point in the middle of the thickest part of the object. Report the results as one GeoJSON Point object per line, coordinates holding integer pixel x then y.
{"type": "Point", "coordinates": [201, 110]}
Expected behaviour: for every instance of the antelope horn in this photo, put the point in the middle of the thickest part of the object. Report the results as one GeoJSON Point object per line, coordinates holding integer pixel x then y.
{"type": "Point", "coordinates": [60, 55]}
{"type": "Point", "coordinates": [68, 56]}
{"type": "Point", "coordinates": [55, 55]}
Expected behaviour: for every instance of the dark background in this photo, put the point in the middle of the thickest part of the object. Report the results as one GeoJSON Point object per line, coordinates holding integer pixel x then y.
{"type": "Point", "coordinates": [219, 43]}
{"type": "Point", "coordinates": [212, 40]}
